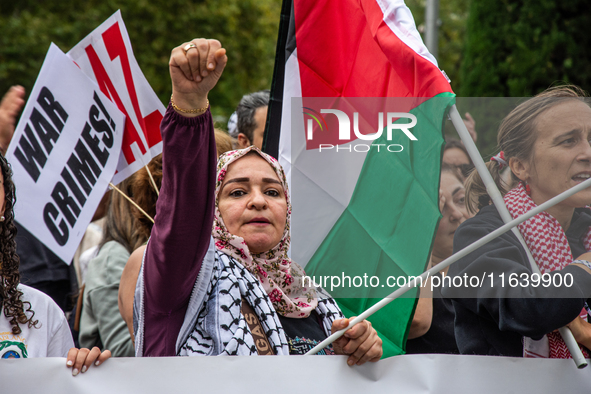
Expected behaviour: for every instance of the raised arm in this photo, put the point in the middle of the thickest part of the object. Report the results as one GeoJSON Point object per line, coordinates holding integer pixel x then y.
{"type": "Point", "coordinates": [182, 229]}
{"type": "Point", "coordinates": [11, 104]}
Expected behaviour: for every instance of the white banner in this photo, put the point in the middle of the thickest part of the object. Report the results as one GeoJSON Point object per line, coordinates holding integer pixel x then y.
{"type": "Point", "coordinates": [314, 374]}
{"type": "Point", "coordinates": [63, 153]}
{"type": "Point", "coordinates": [105, 55]}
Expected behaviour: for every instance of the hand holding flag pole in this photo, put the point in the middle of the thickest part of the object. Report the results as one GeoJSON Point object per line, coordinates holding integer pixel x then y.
{"type": "Point", "coordinates": [452, 259]}
{"type": "Point", "coordinates": [497, 200]}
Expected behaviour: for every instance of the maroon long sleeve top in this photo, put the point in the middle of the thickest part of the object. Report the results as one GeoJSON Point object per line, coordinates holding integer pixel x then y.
{"type": "Point", "coordinates": [182, 228]}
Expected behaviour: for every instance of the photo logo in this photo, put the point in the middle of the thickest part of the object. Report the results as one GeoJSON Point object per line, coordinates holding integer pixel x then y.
{"type": "Point", "coordinates": [345, 124]}
{"type": "Point", "coordinates": [314, 116]}
{"type": "Point", "coordinates": [340, 133]}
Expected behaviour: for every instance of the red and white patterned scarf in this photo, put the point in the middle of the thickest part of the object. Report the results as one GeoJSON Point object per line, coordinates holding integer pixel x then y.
{"type": "Point", "coordinates": [281, 278]}
{"type": "Point", "coordinates": [547, 242]}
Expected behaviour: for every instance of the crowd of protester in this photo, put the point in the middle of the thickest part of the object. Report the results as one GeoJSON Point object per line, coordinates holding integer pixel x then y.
{"type": "Point", "coordinates": [200, 264]}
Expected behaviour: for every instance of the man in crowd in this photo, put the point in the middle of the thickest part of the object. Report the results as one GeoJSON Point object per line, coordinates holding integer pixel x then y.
{"type": "Point", "coordinates": [252, 115]}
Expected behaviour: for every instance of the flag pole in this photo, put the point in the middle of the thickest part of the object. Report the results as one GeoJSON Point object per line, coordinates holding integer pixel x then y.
{"type": "Point", "coordinates": [131, 201]}
{"type": "Point", "coordinates": [452, 259]}
{"type": "Point", "coordinates": [499, 203]}
{"type": "Point", "coordinates": [152, 180]}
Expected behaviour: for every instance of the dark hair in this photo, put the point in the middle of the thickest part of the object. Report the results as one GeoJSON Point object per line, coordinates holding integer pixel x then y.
{"type": "Point", "coordinates": [465, 169]}
{"type": "Point", "coordinates": [454, 170]}
{"type": "Point", "coordinates": [14, 307]}
{"type": "Point", "coordinates": [246, 109]}
{"type": "Point", "coordinates": [121, 225]}
{"type": "Point", "coordinates": [516, 138]}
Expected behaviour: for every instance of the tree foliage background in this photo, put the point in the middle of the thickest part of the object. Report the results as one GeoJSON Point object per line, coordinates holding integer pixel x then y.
{"type": "Point", "coordinates": [519, 48]}
{"type": "Point", "coordinates": [452, 30]}
{"type": "Point", "coordinates": [489, 48]}
{"type": "Point", "coordinates": [246, 28]}
{"type": "Point", "coordinates": [510, 48]}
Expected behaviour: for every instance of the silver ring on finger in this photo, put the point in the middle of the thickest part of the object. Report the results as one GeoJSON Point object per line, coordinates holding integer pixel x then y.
{"type": "Point", "coordinates": [189, 46]}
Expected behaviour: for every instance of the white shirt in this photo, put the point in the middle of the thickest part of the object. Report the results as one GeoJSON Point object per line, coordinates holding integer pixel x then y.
{"type": "Point", "coordinates": [51, 337]}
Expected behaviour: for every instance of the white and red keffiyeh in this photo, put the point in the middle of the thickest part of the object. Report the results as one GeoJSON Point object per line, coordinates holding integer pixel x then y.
{"type": "Point", "coordinates": [547, 242]}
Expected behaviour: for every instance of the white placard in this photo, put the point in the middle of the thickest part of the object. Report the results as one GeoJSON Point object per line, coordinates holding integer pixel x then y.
{"type": "Point", "coordinates": [106, 56]}
{"type": "Point", "coordinates": [63, 153]}
{"type": "Point", "coordinates": [430, 373]}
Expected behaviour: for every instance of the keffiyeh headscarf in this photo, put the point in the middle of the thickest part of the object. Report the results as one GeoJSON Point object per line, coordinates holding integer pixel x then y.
{"type": "Point", "coordinates": [280, 277]}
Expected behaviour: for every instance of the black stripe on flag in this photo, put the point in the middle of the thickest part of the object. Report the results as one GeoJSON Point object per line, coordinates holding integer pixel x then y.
{"type": "Point", "coordinates": [286, 44]}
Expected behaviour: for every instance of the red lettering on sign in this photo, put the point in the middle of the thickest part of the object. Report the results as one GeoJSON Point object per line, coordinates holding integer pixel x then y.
{"type": "Point", "coordinates": [130, 134]}
{"type": "Point", "coordinates": [116, 48]}
{"type": "Point", "coordinates": [152, 123]}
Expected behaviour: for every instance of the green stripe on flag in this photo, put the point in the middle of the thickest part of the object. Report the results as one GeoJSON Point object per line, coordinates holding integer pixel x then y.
{"type": "Point", "coordinates": [389, 225]}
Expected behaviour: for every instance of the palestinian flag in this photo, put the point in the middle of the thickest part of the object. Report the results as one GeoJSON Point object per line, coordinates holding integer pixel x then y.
{"type": "Point", "coordinates": [359, 211]}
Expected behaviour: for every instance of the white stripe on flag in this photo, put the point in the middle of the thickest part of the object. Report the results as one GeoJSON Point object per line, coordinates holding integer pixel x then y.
{"type": "Point", "coordinates": [321, 183]}
{"type": "Point", "coordinates": [400, 20]}
{"type": "Point", "coordinates": [292, 88]}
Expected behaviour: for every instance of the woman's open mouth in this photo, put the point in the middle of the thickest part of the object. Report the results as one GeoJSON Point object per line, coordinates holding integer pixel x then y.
{"type": "Point", "coordinates": [581, 177]}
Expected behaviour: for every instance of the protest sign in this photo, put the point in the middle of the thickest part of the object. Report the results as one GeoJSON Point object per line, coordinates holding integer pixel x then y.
{"type": "Point", "coordinates": [425, 373]}
{"type": "Point", "coordinates": [106, 56]}
{"type": "Point", "coordinates": [63, 153]}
